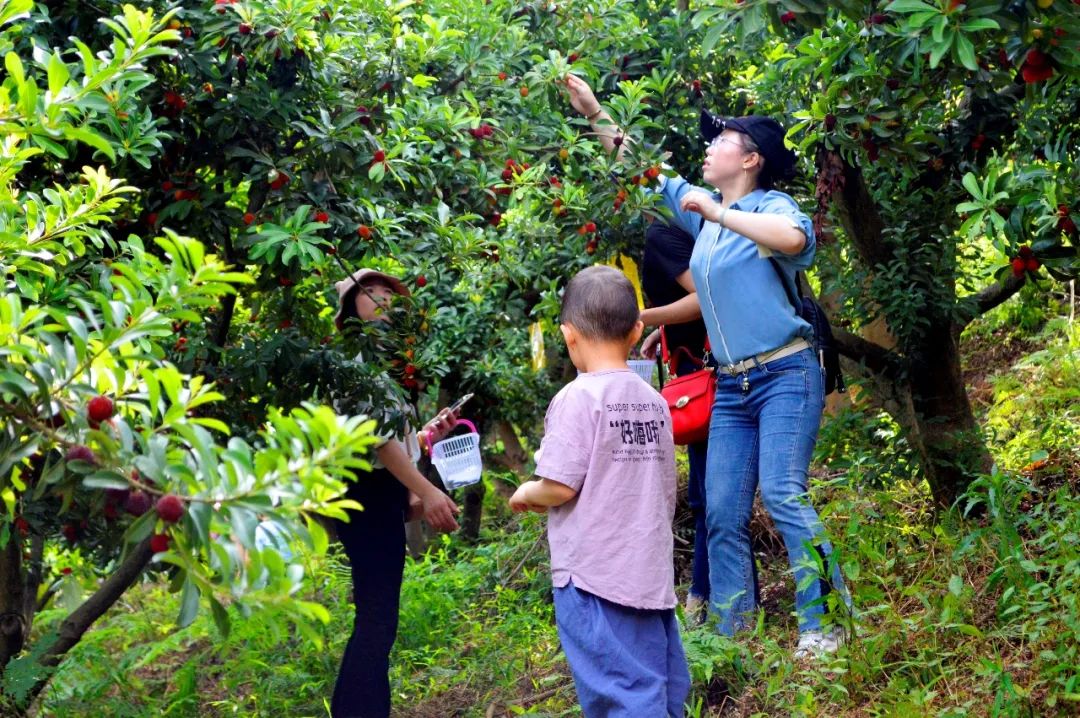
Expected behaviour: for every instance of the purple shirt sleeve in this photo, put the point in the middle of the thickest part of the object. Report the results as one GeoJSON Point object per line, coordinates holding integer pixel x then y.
{"type": "Point", "coordinates": [566, 450]}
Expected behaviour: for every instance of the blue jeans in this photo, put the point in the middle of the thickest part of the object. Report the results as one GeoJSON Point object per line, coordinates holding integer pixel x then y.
{"type": "Point", "coordinates": [764, 436]}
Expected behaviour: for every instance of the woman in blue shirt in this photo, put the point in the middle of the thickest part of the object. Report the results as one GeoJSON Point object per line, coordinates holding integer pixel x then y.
{"type": "Point", "coordinates": [770, 389]}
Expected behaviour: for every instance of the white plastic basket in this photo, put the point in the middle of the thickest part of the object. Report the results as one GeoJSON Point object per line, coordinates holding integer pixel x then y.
{"type": "Point", "coordinates": [643, 368]}
{"type": "Point", "coordinates": [458, 458]}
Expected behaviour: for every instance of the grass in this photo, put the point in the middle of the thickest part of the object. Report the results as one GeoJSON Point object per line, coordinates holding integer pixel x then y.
{"type": "Point", "coordinates": [976, 616]}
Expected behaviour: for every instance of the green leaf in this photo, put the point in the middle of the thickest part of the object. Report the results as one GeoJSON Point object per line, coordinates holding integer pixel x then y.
{"type": "Point", "coordinates": [58, 73]}
{"type": "Point", "coordinates": [965, 51]}
{"type": "Point", "coordinates": [971, 184]}
{"type": "Point", "coordinates": [221, 617]}
{"type": "Point", "coordinates": [908, 6]}
{"type": "Point", "coordinates": [87, 137]}
{"type": "Point", "coordinates": [189, 603]}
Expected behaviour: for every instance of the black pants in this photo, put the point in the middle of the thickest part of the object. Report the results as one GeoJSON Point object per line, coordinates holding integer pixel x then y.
{"type": "Point", "coordinates": [374, 541]}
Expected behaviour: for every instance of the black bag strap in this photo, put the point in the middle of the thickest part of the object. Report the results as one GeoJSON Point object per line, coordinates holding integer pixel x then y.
{"type": "Point", "coordinates": [796, 300]}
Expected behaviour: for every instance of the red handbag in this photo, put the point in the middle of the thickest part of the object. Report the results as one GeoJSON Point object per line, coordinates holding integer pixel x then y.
{"type": "Point", "coordinates": [689, 398]}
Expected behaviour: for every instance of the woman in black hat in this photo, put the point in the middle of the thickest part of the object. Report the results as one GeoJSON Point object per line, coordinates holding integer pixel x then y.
{"type": "Point", "coordinates": [750, 240]}
{"type": "Point", "coordinates": [374, 539]}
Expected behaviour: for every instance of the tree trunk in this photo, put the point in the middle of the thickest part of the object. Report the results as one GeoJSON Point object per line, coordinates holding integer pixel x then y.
{"type": "Point", "coordinates": [79, 621]}
{"type": "Point", "coordinates": [919, 384]}
{"type": "Point", "coordinates": [13, 620]}
{"type": "Point", "coordinates": [943, 429]}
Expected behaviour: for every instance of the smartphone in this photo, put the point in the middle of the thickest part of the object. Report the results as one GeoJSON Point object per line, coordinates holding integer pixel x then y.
{"type": "Point", "coordinates": [456, 406]}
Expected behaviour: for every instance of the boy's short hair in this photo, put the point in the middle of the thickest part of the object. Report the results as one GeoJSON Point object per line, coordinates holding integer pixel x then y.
{"type": "Point", "coordinates": [600, 303]}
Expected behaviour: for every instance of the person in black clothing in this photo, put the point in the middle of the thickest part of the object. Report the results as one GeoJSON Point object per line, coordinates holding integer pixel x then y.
{"type": "Point", "coordinates": [666, 282]}
{"type": "Point", "coordinates": [374, 539]}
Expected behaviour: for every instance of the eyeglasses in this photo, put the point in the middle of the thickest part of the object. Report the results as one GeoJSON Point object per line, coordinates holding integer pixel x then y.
{"type": "Point", "coordinates": [720, 139]}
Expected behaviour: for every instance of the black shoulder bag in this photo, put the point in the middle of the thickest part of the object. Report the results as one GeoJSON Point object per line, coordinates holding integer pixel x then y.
{"type": "Point", "coordinates": [824, 344]}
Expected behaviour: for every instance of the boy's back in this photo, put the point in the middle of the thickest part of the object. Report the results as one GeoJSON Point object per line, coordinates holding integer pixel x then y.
{"type": "Point", "coordinates": [607, 435]}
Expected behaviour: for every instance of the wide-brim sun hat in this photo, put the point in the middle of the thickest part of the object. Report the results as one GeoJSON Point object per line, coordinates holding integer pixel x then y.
{"type": "Point", "coordinates": [767, 134]}
{"type": "Point", "coordinates": [346, 288]}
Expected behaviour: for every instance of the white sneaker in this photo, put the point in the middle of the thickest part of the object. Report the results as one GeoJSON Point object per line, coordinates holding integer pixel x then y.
{"type": "Point", "coordinates": [815, 644]}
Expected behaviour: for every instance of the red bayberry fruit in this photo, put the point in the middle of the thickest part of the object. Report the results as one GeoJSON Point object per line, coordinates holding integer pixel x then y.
{"type": "Point", "coordinates": [524, 90]}
{"type": "Point", "coordinates": [166, 186]}
{"type": "Point", "coordinates": [1036, 67]}
{"type": "Point", "coordinates": [70, 532]}
{"type": "Point", "coordinates": [1018, 265]}
{"type": "Point", "coordinates": [80, 453]}
{"type": "Point", "coordinates": [285, 282]}
{"type": "Point", "coordinates": [617, 140]}
{"type": "Point", "coordinates": [137, 503]}
{"type": "Point", "coordinates": [572, 57]}
{"type": "Point", "coordinates": [787, 17]}
{"type": "Point", "coordinates": [421, 281]}
{"type": "Point", "coordinates": [495, 219]}
{"type": "Point", "coordinates": [892, 83]}
{"type": "Point", "coordinates": [170, 508]}
{"type": "Point", "coordinates": [502, 76]}
{"type": "Point", "coordinates": [1031, 264]}
{"type": "Point", "coordinates": [100, 408]}
{"type": "Point", "coordinates": [379, 156]}
{"type": "Point", "coordinates": [590, 246]}
{"type": "Point", "coordinates": [22, 526]}
{"type": "Point", "coordinates": [878, 19]}
{"type": "Point", "coordinates": [1025, 252]}
{"type": "Point", "coordinates": [159, 543]}
{"type": "Point", "coordinates": [321, 216]}
{"type": "Point", "coordinates": [590, 227]}
{"type": "Point", "coordinates": [410, 369]}
{"type": "Point", "coordinates": [248, 217]}
{"type": "Point", "coordinates": [244, 29]}
{"type": "Point", "coordinates": [364, 231]}
{"type": "Point", "coordinates": [652, 173]}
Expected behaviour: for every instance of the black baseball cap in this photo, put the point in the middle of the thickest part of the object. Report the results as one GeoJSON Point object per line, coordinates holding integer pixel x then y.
{"type": "Point", "coordinates": [767, 134]}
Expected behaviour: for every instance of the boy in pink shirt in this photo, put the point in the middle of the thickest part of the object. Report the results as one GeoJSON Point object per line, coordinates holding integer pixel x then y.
{"type": "Point", "coordinates": [607, 474]}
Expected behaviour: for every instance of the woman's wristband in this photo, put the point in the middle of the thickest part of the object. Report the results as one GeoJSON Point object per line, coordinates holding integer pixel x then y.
{"type": "Point", "coordinates": [593, 116]}
{"type": "Point", "coordinates": [720, 217]}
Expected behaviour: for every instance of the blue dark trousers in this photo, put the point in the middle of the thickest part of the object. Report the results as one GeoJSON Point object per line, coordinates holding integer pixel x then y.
{"type": "Point", "coordinates": [374, 541]}
{"type": "Point", "coordinates": [697, 453]}
{"type": "Point", "coordinates": [626, 662]}
{"type": "Point", "coordinates": [699, 581]}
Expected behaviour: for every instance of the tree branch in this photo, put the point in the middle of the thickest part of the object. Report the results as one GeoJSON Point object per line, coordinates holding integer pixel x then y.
{"type": "Point", "coordinates": [80, 620]}
{"type": "Point", "coordinates": [875, 357]}
{"type": "Point", "coordinates": [855, 207]}
{"type": "Point", "coordinates": [989, 297]}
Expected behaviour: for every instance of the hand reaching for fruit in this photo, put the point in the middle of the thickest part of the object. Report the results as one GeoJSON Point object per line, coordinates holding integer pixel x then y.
{"type": "Point", "coordinates": [581, 96]}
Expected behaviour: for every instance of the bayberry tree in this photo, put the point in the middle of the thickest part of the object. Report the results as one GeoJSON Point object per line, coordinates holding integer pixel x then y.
{"type": "Point", "coordinates": [943, 137]}
{"type": "Point", "coordinates": [105, 444]}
